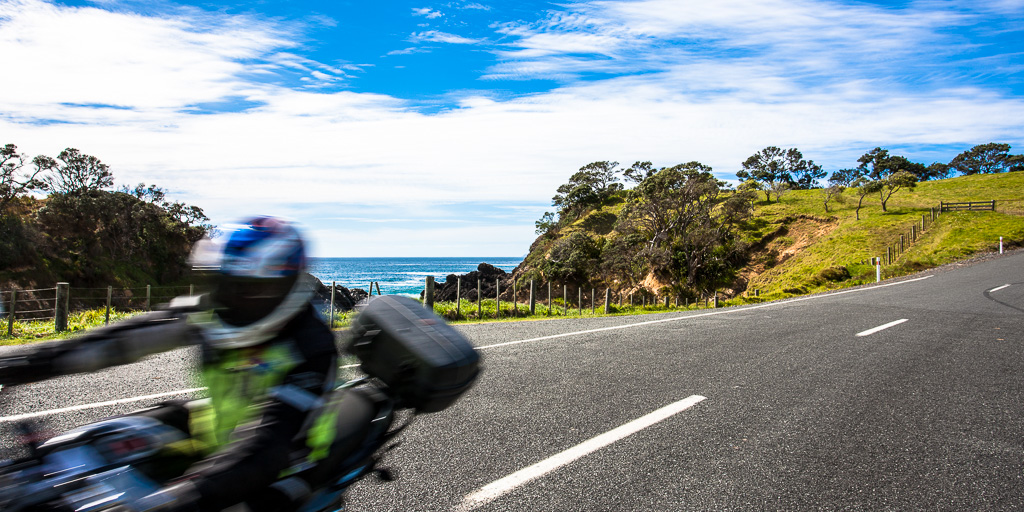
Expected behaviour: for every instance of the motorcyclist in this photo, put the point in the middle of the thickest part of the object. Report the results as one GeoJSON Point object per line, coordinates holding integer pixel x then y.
{"type": "Point", "coordinates": [268, 361]}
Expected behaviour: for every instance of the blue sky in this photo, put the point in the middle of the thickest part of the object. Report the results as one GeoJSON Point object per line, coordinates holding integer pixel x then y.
{"type": "Point", "coordinates": [443, 128]}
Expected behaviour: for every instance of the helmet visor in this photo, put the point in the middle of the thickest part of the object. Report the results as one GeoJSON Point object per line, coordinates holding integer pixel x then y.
{"type": "Point", "coordinates": [241, 301]}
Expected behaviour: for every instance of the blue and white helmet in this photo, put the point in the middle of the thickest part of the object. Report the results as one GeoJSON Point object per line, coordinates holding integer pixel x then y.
{"type": "Point", "coordinates": [258, 281]}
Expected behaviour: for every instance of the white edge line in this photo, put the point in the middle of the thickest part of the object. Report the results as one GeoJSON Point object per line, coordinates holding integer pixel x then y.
{"type": "Point", "coordinates": [881, 327]}
{"type": "Point", "coordinates": [492, 491]}
{"type": "Point", "coordinates": [17, 417]}
{"type": "Point", "coordinates": [8, 419]}
{"type": "Point", "coordinates": [688, 317]}
{"type": "Point", "coordinates": [999, 288]}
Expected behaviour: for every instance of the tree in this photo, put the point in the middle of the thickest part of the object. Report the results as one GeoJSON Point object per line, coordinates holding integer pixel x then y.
{"type": "Point", "coordinates": [806, 172]}
{"type": "Point", "coordinates": [151, 194]}
{"type": "Point", "coordinates": [739, 206]}
{"type": "Point", "coordinates": [864, 187]}
{"type": "Point", "coordinates": [15, 182]}
{"type": "Point", "coordinates": [982, 159]}
{"type": "Point", "coordinates": [893, 183]}
{"type": "Point", "coordinates": [936, 171]}
{"type": "Point", "coordinates": [779, 189]}
{"type": "Point", "coordinates": [1015, 163]}
{"type": "Point", "coordinates": [587, 188]}
{"type": "Point", "coordinates": [572, 258]}
{"type": "Point", "coordinates": [639, 172]}
{"type": "Point", "coordinates": [547, 223]}
{"type": "Point", "coordinates": [845, 177]}
{"type": "Point", "coordinates": [830, 193]}
{"type": "Point", "coordinates": [891, 172]}
{"type": "Point", "coordinates": [74, 171]}
{"type": "Point", "coordinates": [672, 210]}
{"type": "Point", "coordinates": [873, 164]}
{"type": "Point", "coordinates": [773, 167]}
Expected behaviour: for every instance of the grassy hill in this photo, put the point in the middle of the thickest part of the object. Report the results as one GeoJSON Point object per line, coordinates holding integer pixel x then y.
{"type": "Point", "coordinates": [798, 248]}
{"type": "Point", "coordinates": [795, 247]}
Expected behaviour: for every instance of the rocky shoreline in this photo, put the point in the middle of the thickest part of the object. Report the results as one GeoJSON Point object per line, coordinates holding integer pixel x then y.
{"type": "Point", "coordinates": [488, 276]}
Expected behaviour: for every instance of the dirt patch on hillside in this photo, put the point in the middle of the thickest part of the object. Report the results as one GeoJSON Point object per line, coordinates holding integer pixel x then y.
{"type": "Point", "coordinates": [793, 236]}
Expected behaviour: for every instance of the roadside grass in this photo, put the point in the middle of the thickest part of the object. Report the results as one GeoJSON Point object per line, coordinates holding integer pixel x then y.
{"type": "Point", "coordinates": [467, 313]}
{"type": "Point", "coordinates": [42, 330]}
{"type": "Point", "coordinates": [38, 331]}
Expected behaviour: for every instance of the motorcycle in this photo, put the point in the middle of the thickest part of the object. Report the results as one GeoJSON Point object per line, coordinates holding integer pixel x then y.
{"type": "Point", "coordinates": [414, 364]}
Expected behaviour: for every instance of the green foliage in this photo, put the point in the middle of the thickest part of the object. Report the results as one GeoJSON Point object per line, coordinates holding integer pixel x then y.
{"type": "Point", "coordinates": [18, 242]}
{"type": "Point", "coordinates": [14, 180]}
{"type": "Point", "coordinates": [571, 258]}
{"type": "Point", "coordinates": [86, 235]}
{"type": "Point", "coordinates": [74, 171]}
{"type": "Point", "coordinates": [587, 188]}
{"type": "Point", "coordinates": [87, 227]}
{"type": "Point", "coordinates": [600, 222]}
{"type": "Point", "coordinates": [893, 183]}
{"type": "Point", "coordinates": [982, 159]}
{"type": "Point", "coordinates": [779, 170]}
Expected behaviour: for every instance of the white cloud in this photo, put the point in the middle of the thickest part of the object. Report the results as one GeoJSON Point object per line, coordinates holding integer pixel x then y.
{"type": "Point", "coordinates": [715, 83]}
{"type": "Point", "coordinates": [427, 13]}
{"type": "Point", "coordinates": [434, 36]}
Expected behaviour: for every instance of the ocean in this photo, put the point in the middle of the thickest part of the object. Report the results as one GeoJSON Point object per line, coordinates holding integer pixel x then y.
{"type": "Point", "coordinates": [398, 276]}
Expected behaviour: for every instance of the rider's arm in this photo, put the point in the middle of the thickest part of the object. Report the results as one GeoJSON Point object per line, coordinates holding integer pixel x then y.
{"type": "Point", "coordinates": [124, 342]}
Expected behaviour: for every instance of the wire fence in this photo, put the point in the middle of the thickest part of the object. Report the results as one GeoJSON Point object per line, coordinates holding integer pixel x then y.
{"type": "Point", "coordinates": [24, 307]}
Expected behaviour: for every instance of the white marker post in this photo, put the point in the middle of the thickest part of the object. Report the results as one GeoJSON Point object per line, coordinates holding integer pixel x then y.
{"type": "Point", "coordinates": [878, 270]}
{"type": "Point", "coordinates": [1000, 245]}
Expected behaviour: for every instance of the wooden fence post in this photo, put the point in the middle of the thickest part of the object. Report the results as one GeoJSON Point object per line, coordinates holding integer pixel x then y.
{"type": "Point", "coordinates": [580, 301]}
{"type": "Point", "coordinates": [110, 293]}
{"type": "Point", "coordinates": [458, 297]}
{"type": "Point", "coordinates": [497, 298]}
{"type": "Point", "coordinates": [60, 314]}
{"type": "Point", "coordinates": [593, 308]}
{"type": "Point", "coordinates": [515, 297]}
{"type": "Point", "coordinates": [607, 300]}
{"type": "Point", "coordinates": [549, 298]}
{"type": "Point", "coordinates": [12, 308]}
{"type": "Point", "coordinates": [533, 299]}
{"type": "Point", "coordinates": [330, 324]}
{"type": "Point", "coordinates": [428, 293]}
{"type": "Point", "coordinates": [149, 297]}
{"type": "Point", "coordinates": [479, 301]}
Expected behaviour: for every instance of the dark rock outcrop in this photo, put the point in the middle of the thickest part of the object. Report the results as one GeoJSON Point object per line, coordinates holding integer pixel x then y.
{"type": "Point", "coordinates": [344, 298]}
{"type": "Point", "coordinates": [487, 274]}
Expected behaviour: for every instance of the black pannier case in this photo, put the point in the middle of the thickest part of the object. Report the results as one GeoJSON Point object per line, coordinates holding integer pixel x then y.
{"type": "Point", "coordinates": [425, 361]}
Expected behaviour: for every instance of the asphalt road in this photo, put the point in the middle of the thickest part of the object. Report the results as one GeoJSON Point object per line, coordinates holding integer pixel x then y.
{"type": "Point", "coordinates": [780, 406]}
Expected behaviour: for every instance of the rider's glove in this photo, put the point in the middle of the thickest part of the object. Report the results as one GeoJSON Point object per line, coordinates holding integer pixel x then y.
{"type": "Point", "coordinates": [179, 497]}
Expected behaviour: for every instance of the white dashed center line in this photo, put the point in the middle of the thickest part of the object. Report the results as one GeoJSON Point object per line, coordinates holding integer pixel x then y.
{"type": "Point", "coordinates": [881, 327]}
{"type": "Point", "coordinates": [492, 491]}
